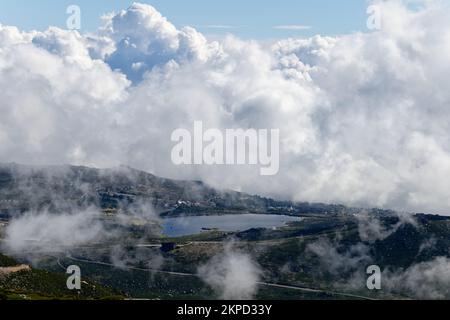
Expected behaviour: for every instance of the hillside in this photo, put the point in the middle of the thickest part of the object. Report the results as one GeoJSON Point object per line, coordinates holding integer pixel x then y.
{"type": "Point", "coordinates": [57, 188]}
{"type": "Point", "coordinates": [328, 249]}
{"type": "Point", "coordinates": [22, 282]}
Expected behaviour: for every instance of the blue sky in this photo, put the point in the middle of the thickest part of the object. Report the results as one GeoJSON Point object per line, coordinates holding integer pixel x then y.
{"type": "Point", "coordinates": [247, 18]}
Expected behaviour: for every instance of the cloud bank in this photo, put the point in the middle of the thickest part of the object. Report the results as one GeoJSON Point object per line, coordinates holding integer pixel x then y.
{"type": "Point", "coordinates": [363, 117]}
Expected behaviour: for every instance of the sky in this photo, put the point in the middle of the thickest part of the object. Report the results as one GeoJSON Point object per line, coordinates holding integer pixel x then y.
{"type": "Point", "coordinates": [253, 19]}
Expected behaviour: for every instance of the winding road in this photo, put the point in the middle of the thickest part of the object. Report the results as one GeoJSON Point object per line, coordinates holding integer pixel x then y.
{"type": "Point", "coordinates": [182, 274]}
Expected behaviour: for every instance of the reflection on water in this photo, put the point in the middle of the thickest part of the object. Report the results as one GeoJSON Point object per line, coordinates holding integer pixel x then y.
{"type": "Point", "coordinates": [183, 226]}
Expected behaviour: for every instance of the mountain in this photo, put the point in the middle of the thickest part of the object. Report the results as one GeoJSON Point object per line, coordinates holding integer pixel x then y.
{"type": "Point", "coordinates": [21, 282]}
{"type": "Point", "coordinates": [62, 188]}
{"type": "Point", "coordinates": [327, 250]}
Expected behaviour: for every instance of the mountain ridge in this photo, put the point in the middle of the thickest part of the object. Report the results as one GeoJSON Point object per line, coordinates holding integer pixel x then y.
{"type": "Point", "coordinates": [65, 187]}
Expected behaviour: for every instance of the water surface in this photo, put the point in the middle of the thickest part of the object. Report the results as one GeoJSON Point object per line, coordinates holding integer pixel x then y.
{"type": "Point", "coordinates": [184, 226]}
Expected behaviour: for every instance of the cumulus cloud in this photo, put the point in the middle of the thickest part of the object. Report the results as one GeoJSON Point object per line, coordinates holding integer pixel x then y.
{"type": "Point", "coordinates": [144, 39]}
{"type": "Point", "coordinates": [362, 117]}
{"type": "Point", "coordinates": [233, 275]}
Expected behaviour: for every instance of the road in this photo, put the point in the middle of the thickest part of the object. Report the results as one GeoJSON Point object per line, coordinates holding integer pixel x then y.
{"type": "Point", "coordinates": [128, 268]}
{"type": "Point", "coordinates": [182, 274]}
{"type": "Point", "coordinates": [347, 295]}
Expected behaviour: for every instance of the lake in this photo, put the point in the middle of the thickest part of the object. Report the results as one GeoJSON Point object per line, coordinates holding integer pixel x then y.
{"type": "Point", "coordinates": [184, 226]}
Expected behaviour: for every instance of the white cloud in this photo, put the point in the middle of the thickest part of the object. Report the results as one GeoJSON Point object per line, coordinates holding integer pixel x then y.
{"type": "Point", "coordinates": [143, 36]}
{"type": "Point", "coordinates": [371, 229]}
{"type": "Point", "coordinates": [35, 232]}
{"type": "Point", "coordinates": [363, 117]}
{"type": "Point", "coordinates": [422, 280]}
{"type": "Point", "coordinates": [337, 263]}
{"type": "Point", "coordinates": [426, 280]}
{"type": "Point", "coordinates": [233, 275]}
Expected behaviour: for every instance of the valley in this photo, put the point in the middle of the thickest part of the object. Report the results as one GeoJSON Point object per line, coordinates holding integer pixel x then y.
{"type": "Point", "coordinates": [126, 250]}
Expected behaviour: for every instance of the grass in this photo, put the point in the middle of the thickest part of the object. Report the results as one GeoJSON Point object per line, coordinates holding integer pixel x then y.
{"type": "Point", "coordinates": [45, 285]}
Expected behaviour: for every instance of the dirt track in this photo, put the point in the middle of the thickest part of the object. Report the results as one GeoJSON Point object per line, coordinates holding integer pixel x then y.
{"type": "Point", "coordinates": [9, 270]}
